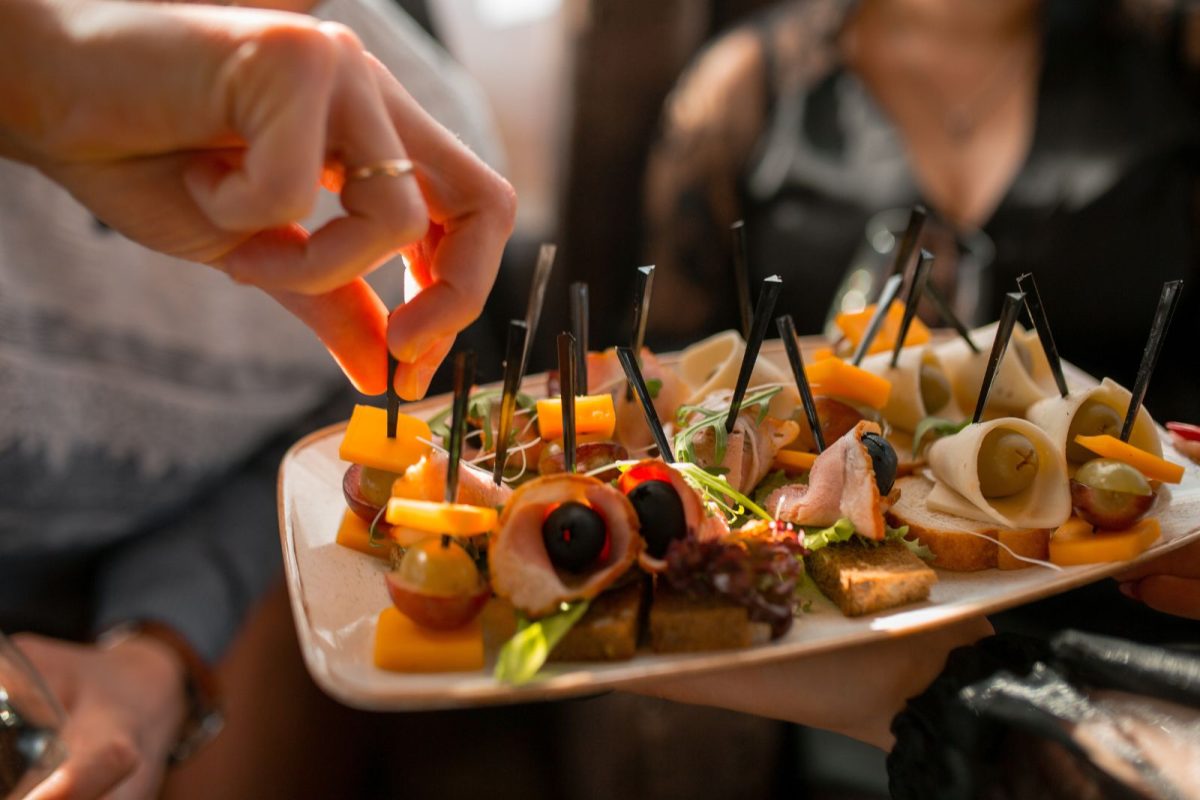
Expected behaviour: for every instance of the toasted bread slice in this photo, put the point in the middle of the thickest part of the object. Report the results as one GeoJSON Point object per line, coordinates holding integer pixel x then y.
{"type": "Point", "coordinates": [950, 537]}
{"type": "Point", "coordinates": [863, 577]}
{"type": "Point", "coordinates": [608, 631]}
{"type": "Point", "coordinates": [682, 624]}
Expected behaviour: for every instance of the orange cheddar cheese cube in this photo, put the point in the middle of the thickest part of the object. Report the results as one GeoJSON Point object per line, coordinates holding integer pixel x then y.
{"type": "Point", "coordinates": [402, 645]}
{"type": "Point", "coordinates": [366, 441]}
{"type": "Point", "coordinates": [1076, 542]}
{"type": "Point", "coordinates": [1150, 465]}
{"type": "Point", "coordinates": [594, 414]}
{"type": "Point", "coordinates": [456, 519]}
{"type": "Point", "coordinates": [853, 326]}
{"type": "Point", "coordinates": [834, 377]}
{"type": "Point", "coordinates": [355, 533]}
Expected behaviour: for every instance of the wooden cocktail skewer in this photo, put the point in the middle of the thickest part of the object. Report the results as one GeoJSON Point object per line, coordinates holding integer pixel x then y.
{"type": "Point", "coordinates": [1008, 318]}
{"type": "Point", "coordinates": [946, 312]}
{"type": "Point", "coordinates": [1167, 301]}
{"type": "Point", "coordinates": [393, 399]}
{"type": "Point", "coordinates": [890, 289]}
{"type": "Point", "coordinates": [1037, 312]}
{"type": "Point", "coordinates": [908, 241]}
{"type": "Point", "coordinates": [537, 297]}
{"type": "Point", "coordinates": [787, 332]}
{"type": "Point", "coordinates": [767, 297]}
{"type": "Point", "coordinates": [579, 329]}
{"type": "Point", "coordinates": [915, 290]}
{"type": "Point", "coordinates": [566, 382]}
{"type": "Point", "coordinates": [513, 352]}
{"type": "Point", "coordinates": [464, 379]}
{"type": "Point", "coordinates": [741, 275]}
{"type": "Point", "coordinates": [642, 290]}
{"type": "Point", "coordinates": [633, 374]}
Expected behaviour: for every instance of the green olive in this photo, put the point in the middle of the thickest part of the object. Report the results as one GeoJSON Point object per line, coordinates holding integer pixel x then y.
{"type": "Point", "coordinates": [935, 389]}
{"type": "Point", "coordinates": [1008, 463]}
{"type": "Point", "coordinates": [1092, 419]}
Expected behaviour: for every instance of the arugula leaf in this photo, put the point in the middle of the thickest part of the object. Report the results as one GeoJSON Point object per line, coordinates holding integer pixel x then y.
{"type": "Point", "coordinates": [524, 654]}
{"type": "Point", "coordinates": [718, 491]}
{"type": "Point", "coordinates": [653, 387]}
{"type": "Point", "coordinates": [714, 419]}
{"type": "Point", "coordinates": [937, 428]}
{"type": "Point", "coordinates": [479, 407]}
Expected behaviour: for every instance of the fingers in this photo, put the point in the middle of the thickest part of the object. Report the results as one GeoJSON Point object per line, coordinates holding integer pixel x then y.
{"type": "Point", "coordinates": [472, 210]}
{"type": "Point", "coordinates": [413, 378]}
{"type": "Point", "coordinates": [99, 758]}
{"type": "Point", "coordinates": [1184, 563]}
{"type": "Point", "coordinates": [383, 212]}
{"type": "Point", "coordinates": [276, 181]}
{"type": "Point", "coordinates": [1167, 593]}
{"type": "Point", "coordinates": [351, 321]}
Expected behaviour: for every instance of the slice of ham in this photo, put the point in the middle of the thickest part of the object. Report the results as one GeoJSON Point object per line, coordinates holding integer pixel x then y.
{"type": "Point", "coordinates": [841, 485]}
{"type": "Point", "coordinates": [606, 375]}
{"type": "Point", "coordinates": [749, 449]}
{"type": "Point", "coordinates": [703, 523]}
{"type": "Point", "coordinates": [426, 480]}
{"type": "Point", "coordinates": [518, 563]}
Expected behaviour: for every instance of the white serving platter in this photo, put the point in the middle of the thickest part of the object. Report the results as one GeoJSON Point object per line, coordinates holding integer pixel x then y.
{"type": "Point", "coordinates": [337, 593]}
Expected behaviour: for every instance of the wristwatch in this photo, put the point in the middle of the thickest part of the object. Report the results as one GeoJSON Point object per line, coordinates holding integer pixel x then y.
{"type": "Point", "coordinates": [204, 718]}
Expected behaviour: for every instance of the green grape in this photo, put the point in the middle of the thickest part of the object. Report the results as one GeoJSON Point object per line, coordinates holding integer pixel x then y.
{"type": "Point", "coordinates": [1111, 475]}
{"type": "Point", "coordinates": [1008, 463]}
{"type": "Point", "coordinates": [376, 485]}
{"type": "Point", "coordinates": [1092, 419]}
{"type": "Point", "coordinates": [433, 568]}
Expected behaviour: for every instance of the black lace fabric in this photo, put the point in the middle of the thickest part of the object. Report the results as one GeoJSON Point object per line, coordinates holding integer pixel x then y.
{"type": "Point", "coordinates": [1083, 716]}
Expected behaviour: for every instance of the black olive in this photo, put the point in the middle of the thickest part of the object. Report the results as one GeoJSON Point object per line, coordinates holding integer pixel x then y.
{"type": "Point", "coordinates": [660, 512]}
{"type": "Point", "coordinates": [883, 460]}
{"type": "Point", "coordinates": [574, 536]}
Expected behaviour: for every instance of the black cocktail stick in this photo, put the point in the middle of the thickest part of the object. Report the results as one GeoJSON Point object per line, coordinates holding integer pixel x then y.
{"type": "Point", "coordinates": [513, 351]}
{"type": "Point", "coordinates": [579, 329]}
{"type": "Point", "coordinates": [915, 290]}
{"type": "Point", "coordinates": [633, 374]}
{"type": "Point", "coordinates": [890, 289]}
{"type": "Point", "coordinates": [393, 399]}
{"type": "Point", "coordinates": [566, 382]}
{"type": "Point", "coordinates": [787, 332]}
{"type": "Point", "coordinates": [908, 242]}
{"type": "Point", "coordinates": [464, 378]}
{"type": "Point", "coordinates": [1158, 333]}
{"type": "Point", "coordinates": [758, 331]}
{"type": "Point", "coordinates": [741, 275]}
{"type": "Point", "coordinates": [1037, 312]}
{"type": "Point", "coordinates": [947, 314]}
{"type": "Point", "coordinates": [1004, 329]}
{"type": "Point", "coordinates": [537, 296]}
{"type": "Point", "coordinates": [643, 288]}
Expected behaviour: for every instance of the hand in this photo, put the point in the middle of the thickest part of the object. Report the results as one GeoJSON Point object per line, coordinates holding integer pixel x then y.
{"type": "Point", "coordinates": [208, 135]}
{"type": "Point", "coordinates": [856, 691]}
{"type": "Point", "coordinates": [125, 706]}
{"type": "Point", "coordinates": [1169, 583]}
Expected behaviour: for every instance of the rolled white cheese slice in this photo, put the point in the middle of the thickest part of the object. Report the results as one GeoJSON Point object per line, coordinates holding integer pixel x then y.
{"type": "Point", "coordinates": [1055, 414]}
{"type": "Point", "coordinates": [712, 364]}
{"type": "Point", "coordinates": [1015, 387]}
{"type": "Point", "coordinates": [906, 406]}
{"type": "Point", "coordinates": [954, 460]}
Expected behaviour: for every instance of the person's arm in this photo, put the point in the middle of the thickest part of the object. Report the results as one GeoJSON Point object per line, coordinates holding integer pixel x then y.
{"type": "Point", "coordinates": [208, 134]}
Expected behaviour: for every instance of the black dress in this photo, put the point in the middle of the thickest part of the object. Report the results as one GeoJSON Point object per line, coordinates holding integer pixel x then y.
{"type": "Point", "coordinates": [1103, 210]}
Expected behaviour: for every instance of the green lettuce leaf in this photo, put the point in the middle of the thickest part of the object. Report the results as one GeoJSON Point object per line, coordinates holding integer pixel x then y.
{"type": "Point", "coordinates": [914, 545]}
{"type": "Point", "coordinates": [524, 654]}
{"type": "Point", "coordinates": [773, 481]}
{"type": "Point", "coordinates": [932, 428]}
{"type": "Point", "coordinates": [840, 531]}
